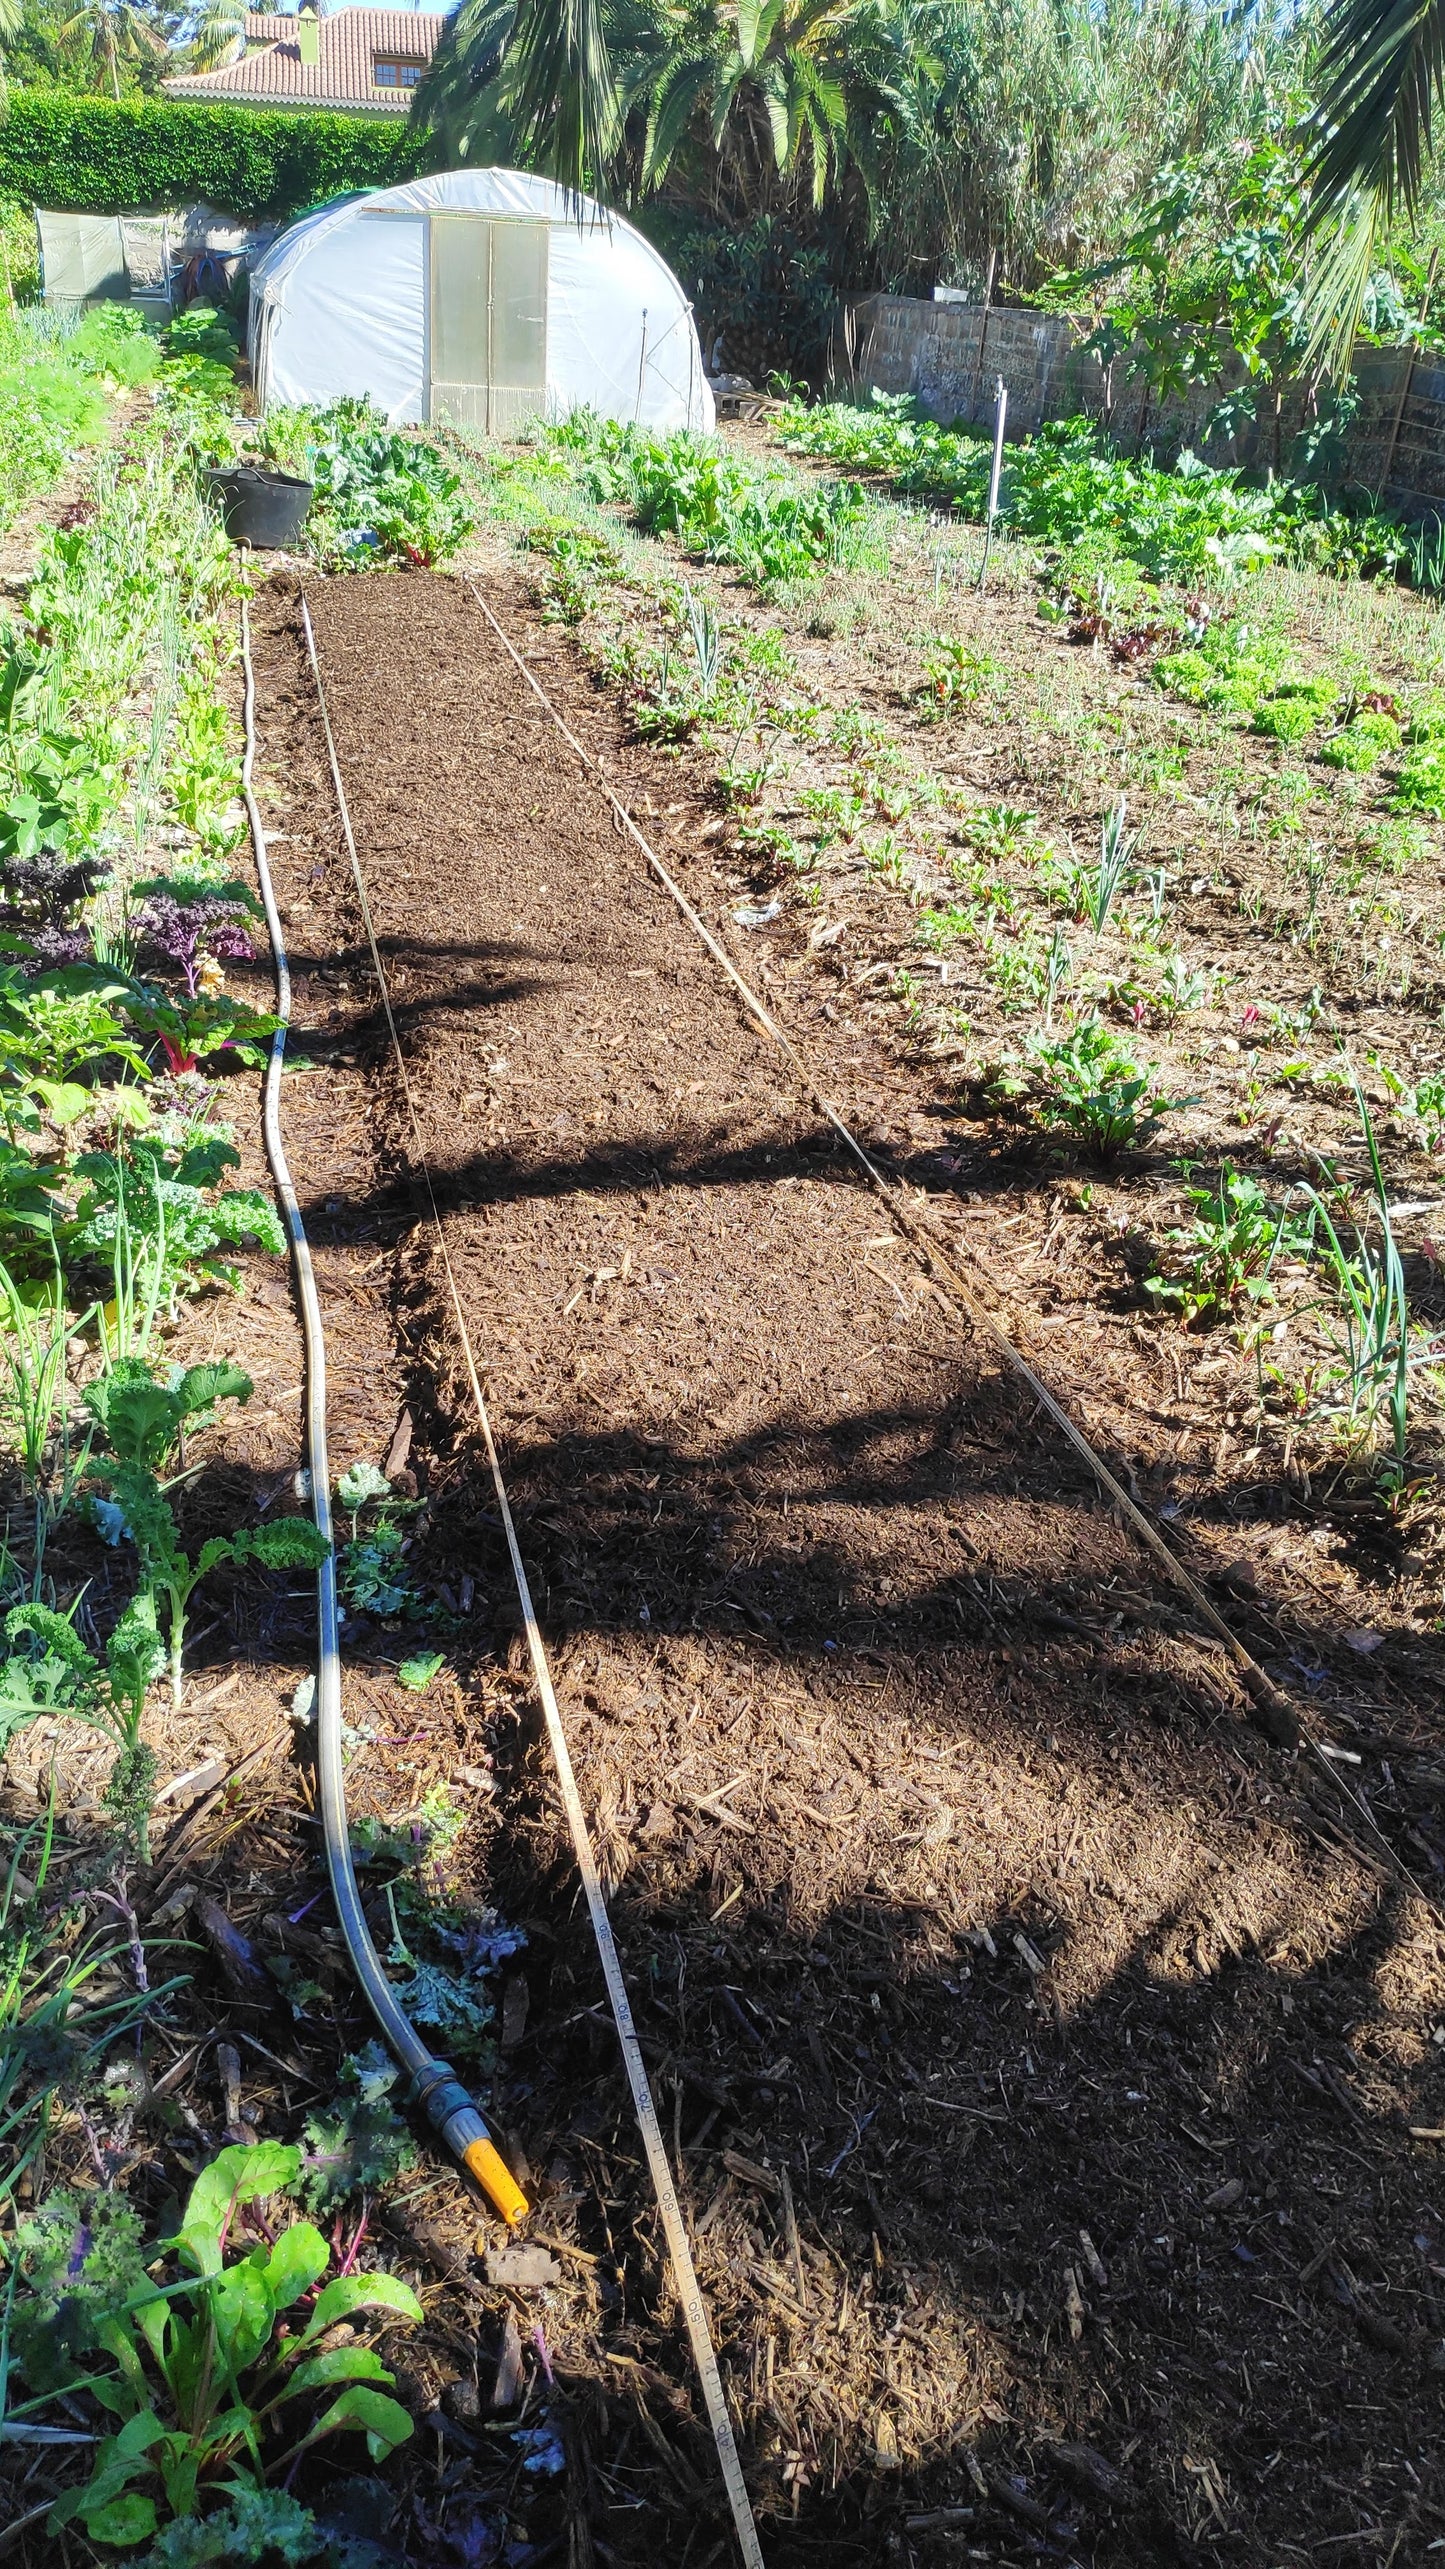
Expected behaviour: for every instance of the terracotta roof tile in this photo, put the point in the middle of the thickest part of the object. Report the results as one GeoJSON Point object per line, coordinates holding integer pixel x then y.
{"type": "Point", "coordinates": [271, 73]}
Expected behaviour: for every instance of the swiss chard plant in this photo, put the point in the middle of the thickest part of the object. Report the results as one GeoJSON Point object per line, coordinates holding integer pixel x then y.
{"type": "Point", "coordinates": [191, 1029]}
{"type": "Point", "coordinates": [220, 2377]}
{"type": "Point", "coordinates": [1227, 1256]}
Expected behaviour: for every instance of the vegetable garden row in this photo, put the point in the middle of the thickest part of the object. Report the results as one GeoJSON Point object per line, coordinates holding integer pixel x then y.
{"type": "Point", "coordinates": [1127, 869]}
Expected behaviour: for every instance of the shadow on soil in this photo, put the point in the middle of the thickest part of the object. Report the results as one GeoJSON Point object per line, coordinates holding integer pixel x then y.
{"type": "Point", "coordinates": [1155, 2277]}
{"type": "Point", "coordinates": [1147, 2281]}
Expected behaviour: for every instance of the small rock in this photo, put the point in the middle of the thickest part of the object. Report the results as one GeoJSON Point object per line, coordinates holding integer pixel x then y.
{"type": "Point", "coordinates": [522, 2269]}
{"type": "Point", "coordinates": [1224, 2196]}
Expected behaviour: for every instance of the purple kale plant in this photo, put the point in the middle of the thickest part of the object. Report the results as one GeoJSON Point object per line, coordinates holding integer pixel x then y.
{"type": "Point", "coordinates": [193, 932]}
{"type": "Point", "coordinates": [40, 897]}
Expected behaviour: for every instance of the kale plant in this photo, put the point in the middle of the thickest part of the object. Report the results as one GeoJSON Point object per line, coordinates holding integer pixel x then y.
{"type": "Point", "coordinates": [163, 1192]}
{"type": "Point", "coordinates": [194, 924]}
{"type": "Point", "coordinates": [139, 1420]}
{"type": "Point", "coordinates": [41, 898]}
{"type": "Point", "coordinates": [49, 1671]}
{"type": "Point", "coordinates": [360, 2141]}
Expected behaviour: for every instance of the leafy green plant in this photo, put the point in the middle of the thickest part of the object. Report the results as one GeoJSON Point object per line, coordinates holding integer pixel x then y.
{"type": "Point", "coordinates": [954, 674]}
{"type": "Point", "coordinates": [201, 331]}
{"type": "Point", "coordinates": [1227, 1254]}
{"type": "Point", "coordinates": [36, 1329]}
{"type": "Point", "coordinates": [1423, 1101]}
{"type": "Point", "coordinates": [1420, 784]}
{"type": "Point", "coordinates": [52, 1028]}
{"type": "Point", "coordinates": [203, 765]}
{"type": "Point", "coordinates": [159, 1194]}
{"type": "Point", "coordinates": [192, 1030]}
{"type": "Point", "coordinates": [417, 1673]}
{"type": "Point", "coordinates": [141, 1421]}
{"type": "Point", "coordinates": [359, 2142]}
{"type": "Point", "coordinates": [204, 2372]}
{"type": "Point", "coordinates": [998, 831]}
{"type": "Point", "coordinates": [1087, 1082]}
{"type": "Point", "coordinates": [1368, 737]}
{"type": "Point", "coordinates": [1060, 487]}
{"type": "Point", "coordinates": [380, 497]}
{"type": "Point", "coordinates": [60, 2002]}
{"type": "Point", "coordinates": [1377, 1347]}
{"type": "Point", "coordinates": [769, 525]}
{"type": "Point", "coordinates": [49, 1671]}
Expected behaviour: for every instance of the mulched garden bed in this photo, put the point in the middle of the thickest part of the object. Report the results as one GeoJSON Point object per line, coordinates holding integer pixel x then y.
{"type": "Point", "coordinates": [965, 1913]}
{"type": "Point", "coordinates": [1038, 2047]}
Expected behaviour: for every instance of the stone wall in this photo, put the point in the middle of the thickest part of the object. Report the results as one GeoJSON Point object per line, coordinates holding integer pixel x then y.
{"type": "Point", "coordinates": [949, 355]}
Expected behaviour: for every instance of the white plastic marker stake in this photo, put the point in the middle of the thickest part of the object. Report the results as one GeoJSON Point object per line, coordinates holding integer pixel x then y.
{"type": "Point", "coordinates": [999, 416]}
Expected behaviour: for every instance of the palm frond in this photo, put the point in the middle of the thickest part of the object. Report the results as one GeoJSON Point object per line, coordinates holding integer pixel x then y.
{"type": "Point", "coordinates": [563, 100]}
{"type": "Point", "coordinates": [1381, 70]}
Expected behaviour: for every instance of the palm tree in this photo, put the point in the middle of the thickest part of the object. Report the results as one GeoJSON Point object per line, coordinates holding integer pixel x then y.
{"type": "Point", "coordinates": [1382, 64]}
{"type": "Point", "coordinates": [751, 92]}
{"type": "Point", "coordinates": [220, 33]}
{"type": "Point", "coordinates": [12, 18]}
{"type": "Point", "coordinates": [112, 32]}
{"type": "Point", "coordinates": [526, 80]}
{"type": "Point", "coordinates": [768, 82]}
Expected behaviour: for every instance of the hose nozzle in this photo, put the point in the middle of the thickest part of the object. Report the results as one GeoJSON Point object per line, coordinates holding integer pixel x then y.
{"type": "Point", "coordinates": [455, 2117]}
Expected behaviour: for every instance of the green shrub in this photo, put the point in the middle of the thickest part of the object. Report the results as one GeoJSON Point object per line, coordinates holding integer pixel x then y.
{"type": "Point", "coordinates": [767, 290]}
{"type": "Point", "coordinates": [101, 156]}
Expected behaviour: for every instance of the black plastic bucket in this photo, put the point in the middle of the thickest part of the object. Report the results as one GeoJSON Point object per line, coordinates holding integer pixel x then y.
{"type": "Point", "coordinates": [259, 507]}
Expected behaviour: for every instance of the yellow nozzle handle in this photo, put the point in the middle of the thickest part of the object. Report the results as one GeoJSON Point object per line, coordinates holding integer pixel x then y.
{"type": "Point", "coordinates": [495, 2177]}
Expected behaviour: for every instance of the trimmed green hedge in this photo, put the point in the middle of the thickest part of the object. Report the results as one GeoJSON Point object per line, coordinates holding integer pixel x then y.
{"type": "Point", "coordinates": [94, 156]}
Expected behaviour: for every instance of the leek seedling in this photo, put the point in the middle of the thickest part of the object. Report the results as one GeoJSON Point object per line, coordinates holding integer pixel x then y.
{"type": "Point", "coordinates": [34, 1342]}
{"type": "Point", "coordinates": [1378, 1349]}
{"type": "Point", "coordinates": [1116, 856]}
{"type": "Point", "coordinates": [706, 639]}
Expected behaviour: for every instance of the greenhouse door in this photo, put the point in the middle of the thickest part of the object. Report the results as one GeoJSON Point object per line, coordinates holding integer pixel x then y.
{"type": "Point", "coordinates": [488, 336]}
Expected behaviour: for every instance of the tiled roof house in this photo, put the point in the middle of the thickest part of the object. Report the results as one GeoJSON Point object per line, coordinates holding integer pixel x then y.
{"type": "Point", "coordinates": [357, 61]}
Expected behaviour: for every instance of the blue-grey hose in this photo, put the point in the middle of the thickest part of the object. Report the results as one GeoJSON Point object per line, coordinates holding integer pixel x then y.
{"type": "Point", "coordinates": [435, 2084]}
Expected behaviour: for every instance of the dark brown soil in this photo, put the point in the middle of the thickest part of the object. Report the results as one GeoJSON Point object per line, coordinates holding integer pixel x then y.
{"type": "Point", "coordinates": [949, 1880]}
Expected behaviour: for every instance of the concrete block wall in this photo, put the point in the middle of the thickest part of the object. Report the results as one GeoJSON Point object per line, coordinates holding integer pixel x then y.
{"type": "Point", "coordinates": [948, 356]}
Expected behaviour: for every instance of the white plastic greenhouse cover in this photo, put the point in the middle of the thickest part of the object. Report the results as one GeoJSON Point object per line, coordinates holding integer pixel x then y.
{"type": "Point", "coordinates": [339, 305]}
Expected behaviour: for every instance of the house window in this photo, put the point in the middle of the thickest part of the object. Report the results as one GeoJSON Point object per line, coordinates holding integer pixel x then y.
{"type": "Point", "coordinates": [388, 73]}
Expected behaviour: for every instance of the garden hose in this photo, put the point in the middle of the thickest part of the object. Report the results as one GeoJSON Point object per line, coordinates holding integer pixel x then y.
{"type": "Point", "coordinates": [435, 2086]}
